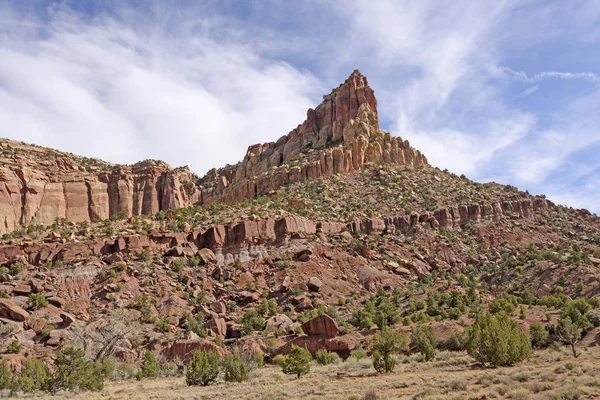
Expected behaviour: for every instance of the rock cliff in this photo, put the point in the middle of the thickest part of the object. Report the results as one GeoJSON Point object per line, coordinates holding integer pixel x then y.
{"type": "Point", "coordinates": [39, 185]}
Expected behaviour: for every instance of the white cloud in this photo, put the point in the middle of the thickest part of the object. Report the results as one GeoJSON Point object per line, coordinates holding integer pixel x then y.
{"type": "Point", "coordinates": [530, 90]}
{"type": "Point", "coordinates": [123, 90]}
{"type": "Point", "coordinates": [522, 76]}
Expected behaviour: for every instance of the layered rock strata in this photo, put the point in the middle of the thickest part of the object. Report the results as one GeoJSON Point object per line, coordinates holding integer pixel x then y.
{"type": "Point", "coordinates": [231, 239]}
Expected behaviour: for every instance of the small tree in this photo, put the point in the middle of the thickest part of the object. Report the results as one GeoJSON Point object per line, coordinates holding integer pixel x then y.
{"type": "Point", "coordinates": [14, 347]}
{"type": "Point", "coordinates": [252, 321]}
{"type": "Point", "coordinates": [425, 340]}
{"type": "Point", "coordinates": [386, 343]}
{"type": "Point", "coordinates": [203, 368]}
{"type": "Point", "coordinates": [149, 367]}
{"type": "Point", "coordinates": [569, 333]}
{"type": "Point", "coordinates": [34, 376]}
{"type": "Point", "coordinates": [74, 372]}
{"type": "Point", "coordinates": [6, 376]}
{"type": "Point", "coordinates": [297, 362]}
{"type": "Point", "coordinates": [538, 334]}
{"type": "Point", "coordinates": [573, 322]}
{"type": "Point", "coordinates": [234, 367]}
{"type": "Point", "coordinates": [496, 340]}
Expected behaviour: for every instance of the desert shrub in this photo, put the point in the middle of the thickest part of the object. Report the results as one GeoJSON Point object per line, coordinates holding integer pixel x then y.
{"type": "Point", "coordinates": [34, 376]}
{"type": "Point", "coordinates": [37, 301]}
{"type": "Point", "coordinates": [73, 372]}
{"type": "Point", "coordinates": [386, 314]}
{"type": "Point", "coordinates": [297, 362]}
{"type": "Point", "coordinates": [162, 325]}
{"type": "Point", "coordinates": [384, 346]}
{"type": "Point", "coordinates": [203, 368]}
{"type": "Point", "coordinates": [252, 321]}
{"type": "Point", "coordinates": [252, 361]}
{"type": "Point", "coordinates": [538, 334]}
{"type": "Point", "coordinates": [235, 369]}
{"type": "Point", "coordinates": [278, 360]}
{"type": "Point", "coordinates": [506, 303]}
{"type": "Point", "coordinates": [496, 340]}
{"type": "Point", "coordinates": [361, 319]}
{"type": "Point", "coordinates": [325, 357]}
{"type": "Point", "coordinates": [14, 347]}
{"type": "Point", "coordinates": [459, 385]}
{"type": "Point", "coordinates": [149, 367]}
{"type": "Point", "coordinates": [358, 354]}
{"type": "Point", "coordinates": [269, 307]}
{"type": "Point", "coordinates": [458, 340]}
{"type": "Point", "coordinates": [424, 338]}
{"type": "Point", "coordinates": [6, 376]}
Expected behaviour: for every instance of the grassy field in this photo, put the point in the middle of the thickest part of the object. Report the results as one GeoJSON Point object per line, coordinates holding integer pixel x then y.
{"type": "Point", "coordinates": [550, 374]}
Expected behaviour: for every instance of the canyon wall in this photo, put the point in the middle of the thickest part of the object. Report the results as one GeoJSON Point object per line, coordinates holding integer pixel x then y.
{"type": "Point", "coordinates": [37, 188]}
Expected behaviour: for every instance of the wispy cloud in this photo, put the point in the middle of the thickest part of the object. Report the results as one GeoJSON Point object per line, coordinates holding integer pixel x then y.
{"type": "Point", "coordinates": [522, 76]}
{"type": "Point", "coordinates": [124, 88]}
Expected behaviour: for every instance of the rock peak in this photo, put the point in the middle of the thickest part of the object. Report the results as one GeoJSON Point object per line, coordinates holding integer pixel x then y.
{"type": "Point", "coordinates": [340, 135]}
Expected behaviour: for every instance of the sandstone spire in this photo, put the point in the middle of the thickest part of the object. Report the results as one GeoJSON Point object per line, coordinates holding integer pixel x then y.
{"type": "Point", "coordinates": [340, 135]}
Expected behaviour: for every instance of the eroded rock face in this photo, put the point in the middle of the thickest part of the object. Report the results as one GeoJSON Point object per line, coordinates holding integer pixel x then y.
{"type": "Point", "coordinates": [266, 231]}
{"type": "Point", "coordinates": [39, 186]}
{"type": "Point", "coordinates": [341, 135]}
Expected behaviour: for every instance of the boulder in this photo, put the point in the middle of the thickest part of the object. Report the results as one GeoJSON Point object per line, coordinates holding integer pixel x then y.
{"type": "Point", "coordinates": [281, 322]}
{"type": "Point", "coordinates": [12, 310]}
{"type": "Point", "coordinates": [323, 325]}
{"type": "Point", "coordinates": [314, 284]}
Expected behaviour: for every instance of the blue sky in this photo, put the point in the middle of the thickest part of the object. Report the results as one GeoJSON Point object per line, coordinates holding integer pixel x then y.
{"type": "Point", "coordinates": [498, 90]}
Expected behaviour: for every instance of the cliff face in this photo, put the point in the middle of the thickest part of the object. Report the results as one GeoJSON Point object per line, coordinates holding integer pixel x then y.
{"type": "Point", "coordinates": [39, 186]}
{"type": "Point", "coordinates": [341, 135]}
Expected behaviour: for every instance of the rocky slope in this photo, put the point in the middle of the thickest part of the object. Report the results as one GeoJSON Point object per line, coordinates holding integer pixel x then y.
{"type": "Point", "coordinates": [303, 231]}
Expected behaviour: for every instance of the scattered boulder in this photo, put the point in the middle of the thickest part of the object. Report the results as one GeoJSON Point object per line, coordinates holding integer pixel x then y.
{"type": "Point", "coordinates": [323, 325]}
{"type": "Point", "coordinates": [281, 322]}
{"type": "Point", "coordinates": [314, 284]}
{"type": "Point", "coordinates": [12, 310]}
{"type": "Point", "coordinates": [207, 256]}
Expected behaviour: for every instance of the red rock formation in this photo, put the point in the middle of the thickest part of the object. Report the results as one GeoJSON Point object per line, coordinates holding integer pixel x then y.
{"type": "Point", "coordinates": [234, 238]}
{"type": "Point", "coordinates": [341, 135]}
{"type": "Point", "coordinates": [322, 325]}
{"type": "Point", "coordinates": [39, 186]}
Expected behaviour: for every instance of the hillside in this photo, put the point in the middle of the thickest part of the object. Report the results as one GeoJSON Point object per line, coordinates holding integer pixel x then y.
{"type": "Point", "coordinates": [123, 259]}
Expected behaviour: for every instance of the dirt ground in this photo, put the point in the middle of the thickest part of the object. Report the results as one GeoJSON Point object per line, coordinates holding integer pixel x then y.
{"type": "Point", "coordinates": [550, 374]}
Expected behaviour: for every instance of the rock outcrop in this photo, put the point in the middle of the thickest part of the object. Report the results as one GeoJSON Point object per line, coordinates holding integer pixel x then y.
{"type": "Point", "coordinates": [232, 239]}
{"type": "Point", "coordinates": [341, 135]}
{"type": "Point", "coordinates": [39, 186]}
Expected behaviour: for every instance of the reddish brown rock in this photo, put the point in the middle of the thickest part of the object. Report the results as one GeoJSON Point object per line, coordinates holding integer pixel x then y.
{"type": "Point", "coordinates": [182, 349]}
{"type": "Point", "coordinates": [12, 310]}
{"type": "Point", "coordinates": [36, 191]}
{"type": "Point", "coordinates": [323, 325]}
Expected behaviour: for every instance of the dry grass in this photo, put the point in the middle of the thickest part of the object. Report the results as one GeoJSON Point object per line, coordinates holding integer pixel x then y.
{"type": "Point", "coordinates": [452, 376]}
